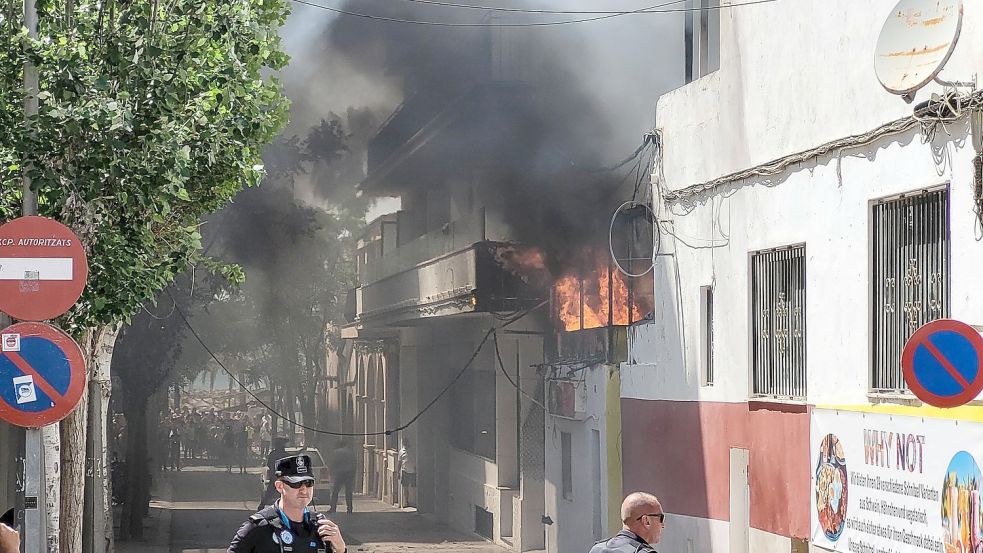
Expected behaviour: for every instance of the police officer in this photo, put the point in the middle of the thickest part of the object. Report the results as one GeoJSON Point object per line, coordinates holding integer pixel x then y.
{"type": "Point", "coordinates": [289, 525]}
{"type": "Point", "coordinates": [643, 520]}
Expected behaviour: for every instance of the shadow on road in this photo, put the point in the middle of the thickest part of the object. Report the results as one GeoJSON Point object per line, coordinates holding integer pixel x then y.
{"type": "Point", "coordinates": [199, 510]}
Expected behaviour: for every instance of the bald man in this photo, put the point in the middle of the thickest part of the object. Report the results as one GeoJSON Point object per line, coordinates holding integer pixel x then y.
{"type": "Point", "coordinates": [643, 521]}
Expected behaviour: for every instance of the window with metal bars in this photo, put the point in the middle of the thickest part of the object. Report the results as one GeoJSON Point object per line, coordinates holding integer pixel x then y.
{"type": "Point", "coordinates": [910, 277]}
{"type": "Point", "coordinates": [778, 323]}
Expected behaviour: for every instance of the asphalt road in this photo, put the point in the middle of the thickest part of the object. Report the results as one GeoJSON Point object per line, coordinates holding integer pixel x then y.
{"type": "Point", "coordinates": [206, 506]}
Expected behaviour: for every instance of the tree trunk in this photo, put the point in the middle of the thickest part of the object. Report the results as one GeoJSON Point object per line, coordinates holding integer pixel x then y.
{"type": "Point", "coordinates": [137, 475]}
{"type": "Point", "coordinates": [97, 349]}
{"type": "Point", "coordinates": [103, 386]}
{"type": "Point", "coordinates": [306, 399]}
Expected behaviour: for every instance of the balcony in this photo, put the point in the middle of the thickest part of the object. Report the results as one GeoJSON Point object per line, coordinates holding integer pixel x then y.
{"type": "Point", "coordinates": [473, 279]}
{"type": "Point", "coordinates": [454, 236]}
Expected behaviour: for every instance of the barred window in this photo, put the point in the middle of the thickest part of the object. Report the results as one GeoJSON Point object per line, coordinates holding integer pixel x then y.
{"type": "Point", "coordinates": [778, 322]}
{"type": "Point", "coordinates": [910, 277]}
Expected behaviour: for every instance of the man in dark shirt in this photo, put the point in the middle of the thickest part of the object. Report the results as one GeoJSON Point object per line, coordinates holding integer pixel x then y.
{"type": "Point", "coordinates": [279, 451]}
{"type": "Point", "coordinates": [643, 520]}
{"type": "Point", "coordinates": [289, 525]}
{"type": "Point", "coordinates": [342, 467]}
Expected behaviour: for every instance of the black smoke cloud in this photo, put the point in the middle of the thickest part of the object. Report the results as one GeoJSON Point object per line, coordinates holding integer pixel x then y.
{"type": "Point", "coordinates": [590, 96]}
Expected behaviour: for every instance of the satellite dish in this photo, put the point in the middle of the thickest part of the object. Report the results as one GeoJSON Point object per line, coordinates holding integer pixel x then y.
{"type": "Point", "coordinates": [632, 239]}
{"type": "Point", "coordinates": [916, 42]}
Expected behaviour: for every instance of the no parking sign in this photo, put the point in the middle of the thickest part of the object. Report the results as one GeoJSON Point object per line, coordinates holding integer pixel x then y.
{"type": "Point", "coordinates": [942, 363]}
{"type": "Point", "coordinates": [42, 374]}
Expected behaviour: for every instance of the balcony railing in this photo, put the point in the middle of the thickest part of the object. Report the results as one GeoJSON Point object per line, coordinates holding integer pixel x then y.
{"type": "Point", "coordinates": [454, 236]}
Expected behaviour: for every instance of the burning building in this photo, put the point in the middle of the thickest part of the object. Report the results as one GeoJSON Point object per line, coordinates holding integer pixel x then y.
{"type": "Point", "coordinates": [441, 272]}
{"type": "Point", "coordinates": [433, 279]}
{"type": "Point", "coordinates": [502, 223]}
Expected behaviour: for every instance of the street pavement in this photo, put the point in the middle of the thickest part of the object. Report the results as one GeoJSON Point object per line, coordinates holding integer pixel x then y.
{"type": "Point", "coordinates": [199, 509]}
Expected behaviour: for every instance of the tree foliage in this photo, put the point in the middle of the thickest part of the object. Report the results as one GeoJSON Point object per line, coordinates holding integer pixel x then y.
{"type": "Point", "coordinates": [300, 258]}
{"type": "Point", "coordinates": [152, 115]}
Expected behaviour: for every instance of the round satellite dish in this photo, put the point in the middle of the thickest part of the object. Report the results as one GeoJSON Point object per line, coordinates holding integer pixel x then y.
{"type": "Point", "coordinates": [916, 42]}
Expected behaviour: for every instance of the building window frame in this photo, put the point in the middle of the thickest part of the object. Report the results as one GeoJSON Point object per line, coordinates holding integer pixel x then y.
{"type": "Point", "coordinates": [777, 308]}
{"type": "Point", "coordinates": [702, 36]}
{"type": "Point", "coordinates": [566, 465]}
{"type": "Point", "coordinates": [706, 335]}
{"type": "Point", "coordinates": [927, 298]}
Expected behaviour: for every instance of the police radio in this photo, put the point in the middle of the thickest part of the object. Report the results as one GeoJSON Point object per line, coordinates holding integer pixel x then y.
{"type": "Point", "coordinates": [318, 517]}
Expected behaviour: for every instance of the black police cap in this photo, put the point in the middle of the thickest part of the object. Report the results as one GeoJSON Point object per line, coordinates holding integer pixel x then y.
{"type": "Point", "coordinates": [296, 468]}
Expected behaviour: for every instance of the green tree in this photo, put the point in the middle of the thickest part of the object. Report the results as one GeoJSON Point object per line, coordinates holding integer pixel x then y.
{"type": "Point", "coordinates": [299, 256]}
{"type": "Point", "coordinates": [152, 115]}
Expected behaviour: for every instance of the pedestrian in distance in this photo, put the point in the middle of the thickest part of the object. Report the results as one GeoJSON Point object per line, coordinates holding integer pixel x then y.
{"type": "Point", "coordinates": [643, 522]}
{"type": "Point", "coordinates": [342, 467]}
{"type": "Point", "coordinates": [279, 451]}
{"type": "Point", "coordinates": [174, 439]}
{"type": "Point", "coordinates": [407, 474]}
{"type": "Point", "coordinates": [265, 436]}
{"type": "Point", "coordinates": [290, 524]}
{"type": "Point", "coordinates": [229, 447]}
{"type": "Point", "coordinates": [242, 442]}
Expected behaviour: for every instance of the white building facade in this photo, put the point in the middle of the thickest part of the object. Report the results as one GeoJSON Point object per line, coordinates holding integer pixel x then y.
{"type": "Point", "coordinates": [785, 287]}
{"type": "Point", "coordinates": [583, 443]}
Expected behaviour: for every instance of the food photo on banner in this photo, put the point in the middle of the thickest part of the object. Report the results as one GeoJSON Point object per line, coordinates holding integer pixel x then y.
{"type": "Point", "coordinates": [886, 483]}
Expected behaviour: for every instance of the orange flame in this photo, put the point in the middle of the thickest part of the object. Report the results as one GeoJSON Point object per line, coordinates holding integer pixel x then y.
{"type": "Point", "coordinates": [589, 298]}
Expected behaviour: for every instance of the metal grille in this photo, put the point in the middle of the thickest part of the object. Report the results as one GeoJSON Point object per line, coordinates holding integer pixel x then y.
{"type": "Point", "coordinates": [532, 436]}
{"type": "Point", "coordinates": [778, 309]}
{"type": "Point", "coordinates": [910, 277]}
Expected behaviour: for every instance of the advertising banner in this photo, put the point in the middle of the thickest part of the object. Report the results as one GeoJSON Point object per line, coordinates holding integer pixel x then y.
{"type": "Point", "coordinates": [895, 484]}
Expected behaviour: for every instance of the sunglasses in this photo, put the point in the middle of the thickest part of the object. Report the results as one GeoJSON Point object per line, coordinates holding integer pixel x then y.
{"type": "Point", "coordinates": [299, 485]}
{"type": "Point", "coordinates": [660, 516]}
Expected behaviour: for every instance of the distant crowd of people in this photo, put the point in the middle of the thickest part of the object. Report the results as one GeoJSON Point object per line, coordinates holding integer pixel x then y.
{"type": "Point", "coordinates": [232, 439]}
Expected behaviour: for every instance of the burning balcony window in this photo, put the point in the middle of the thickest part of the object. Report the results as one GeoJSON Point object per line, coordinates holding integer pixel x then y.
{"type": "Point", "coordinates": [600, 296]}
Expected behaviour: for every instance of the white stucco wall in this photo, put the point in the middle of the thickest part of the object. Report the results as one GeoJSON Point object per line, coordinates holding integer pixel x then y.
{"type": "Point", "coordinates": [792, 76]}
{"type": "Point", "coordinates": [778, 93]}
{"type": "Point", "coordinates": [459, 481]}
{"type": "Point", "coordinates": [573, 528]}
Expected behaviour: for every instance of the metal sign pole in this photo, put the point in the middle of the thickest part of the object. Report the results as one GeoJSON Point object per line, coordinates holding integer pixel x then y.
{"type": "Point", "coordinates": [34, 538]}
{"type": "Point", "coordinates": [34, 535]}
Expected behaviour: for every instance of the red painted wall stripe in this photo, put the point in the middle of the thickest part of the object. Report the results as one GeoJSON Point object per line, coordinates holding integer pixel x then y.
{"type": "Point", "coordinates": [680, 450]}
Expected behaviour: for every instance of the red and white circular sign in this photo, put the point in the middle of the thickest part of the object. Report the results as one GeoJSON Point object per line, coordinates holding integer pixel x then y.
{"type": "Point", "coordinates": [43, 268]}
{"type": "Point", "coordinates": [43, 371]}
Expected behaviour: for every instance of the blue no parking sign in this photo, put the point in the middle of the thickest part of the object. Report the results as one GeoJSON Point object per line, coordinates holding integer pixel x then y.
{"type": "Point", "coordinates": [42, 374]}
{"type": "Point", "coordinates": [942, 363]}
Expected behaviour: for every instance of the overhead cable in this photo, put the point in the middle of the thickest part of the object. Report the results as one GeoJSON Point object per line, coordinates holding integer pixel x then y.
{"type": "Point", "coordinates": [936, 113]}
{"type": "Point", "coordinates": [648, 9]}
{"type": "Point", "coordinates": [386, 432]}
{"type": "Point", "coordinates": [501, 365]}
{"type": "Point", "coordinates": [527, 10]}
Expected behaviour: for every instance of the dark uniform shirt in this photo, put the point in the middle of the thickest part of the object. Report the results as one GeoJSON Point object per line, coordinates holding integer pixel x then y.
{"type": "Point", "coordinates": [624, 541]}
{"type": "Point", "coordinates": [265, 532]}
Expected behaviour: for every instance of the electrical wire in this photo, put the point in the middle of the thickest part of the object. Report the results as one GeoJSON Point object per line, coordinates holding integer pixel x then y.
{"type": "Point", "coordinates": [386, 432]}
{"type": "Point", "coordinates": [939, 113]}
{"type": "Point", "coordinates": [524, 10]}
{"type": "Point", "coordinates": [648, 9]}
{"type": "Point", "coordinates": [501, 365]}
{"type": "Point", "coordinates": [647, 139]}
